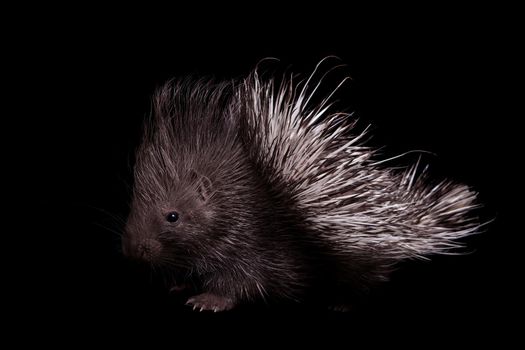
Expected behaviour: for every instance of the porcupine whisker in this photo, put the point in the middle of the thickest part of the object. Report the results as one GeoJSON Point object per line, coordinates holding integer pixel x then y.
{"type": "Point", "coordinates": [117, 233]}
{"type": "Point", "coordinates": [119, 220]}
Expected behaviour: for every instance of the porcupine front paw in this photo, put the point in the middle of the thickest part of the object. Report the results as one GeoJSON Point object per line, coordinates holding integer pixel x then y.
{"type": "Point", "coordinates": [211, 302]}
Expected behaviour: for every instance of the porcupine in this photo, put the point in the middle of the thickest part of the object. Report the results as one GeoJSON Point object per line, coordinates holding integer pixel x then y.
{"type": "Point", "coordinates": [257, 193]}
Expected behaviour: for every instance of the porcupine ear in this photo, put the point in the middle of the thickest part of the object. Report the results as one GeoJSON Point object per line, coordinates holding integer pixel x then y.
{"type": "Point", "coordinates": [203, 185]}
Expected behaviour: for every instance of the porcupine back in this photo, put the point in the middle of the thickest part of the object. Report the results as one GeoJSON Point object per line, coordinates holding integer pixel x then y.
{"type": "Point", "coordinates": [361, 209]}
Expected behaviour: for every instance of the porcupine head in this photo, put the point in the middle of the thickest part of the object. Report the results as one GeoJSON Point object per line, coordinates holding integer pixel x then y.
{"type": "Point", "coordinates": [251, 194]}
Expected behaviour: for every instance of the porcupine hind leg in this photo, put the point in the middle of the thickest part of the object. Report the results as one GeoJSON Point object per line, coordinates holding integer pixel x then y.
{"type": "Point", "coordinates": [351, 288]}
{"type": "Point", "coordinates": [340, 303]}
{"type": "Point", "coordinates": [343, 307]}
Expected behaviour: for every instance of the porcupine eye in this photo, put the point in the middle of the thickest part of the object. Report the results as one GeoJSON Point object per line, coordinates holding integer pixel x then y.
{"type": "Point", "coordinates": [172, 217]}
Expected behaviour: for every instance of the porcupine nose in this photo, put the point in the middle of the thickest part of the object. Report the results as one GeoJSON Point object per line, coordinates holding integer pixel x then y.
{"type": "Point", "coordinates": [141, 248]}
{"type": "Point", "coordinates": [149, 249]}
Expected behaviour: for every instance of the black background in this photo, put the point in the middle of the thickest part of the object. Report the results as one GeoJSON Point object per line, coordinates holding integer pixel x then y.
{"type": "Point", "coordinates": [438, 81]}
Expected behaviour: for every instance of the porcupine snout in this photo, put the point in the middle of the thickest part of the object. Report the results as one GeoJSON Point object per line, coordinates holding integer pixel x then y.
{"type": "Point", "coordinates": [149, 249]}
{"type": "Point", "coordinates": [146, 249]}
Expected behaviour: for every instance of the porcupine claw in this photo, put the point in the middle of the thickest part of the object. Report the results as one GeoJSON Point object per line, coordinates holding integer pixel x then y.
{"type": "Point", "coordinates": [210, 302]}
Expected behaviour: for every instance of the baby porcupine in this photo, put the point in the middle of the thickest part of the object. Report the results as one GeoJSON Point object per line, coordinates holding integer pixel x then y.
{"type": "Point", "coordinates": [251, 191]}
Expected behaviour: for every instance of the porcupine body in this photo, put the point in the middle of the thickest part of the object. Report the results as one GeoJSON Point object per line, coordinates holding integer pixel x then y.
{"type": "Point", "coordinates": [254, 192]}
